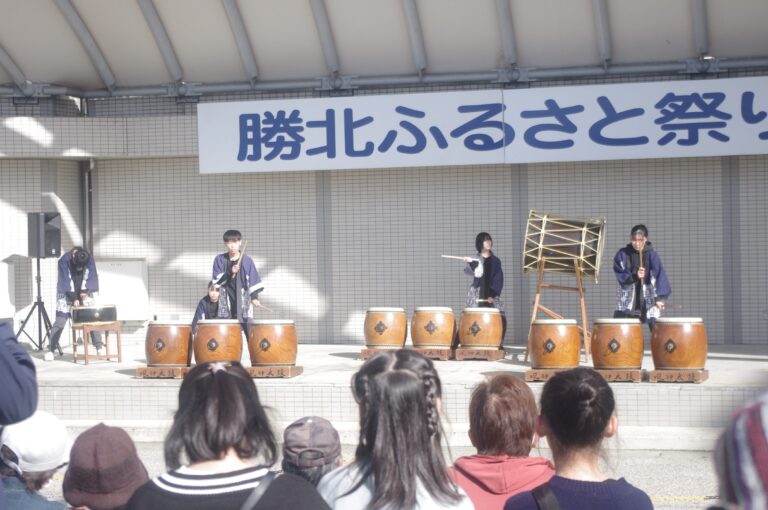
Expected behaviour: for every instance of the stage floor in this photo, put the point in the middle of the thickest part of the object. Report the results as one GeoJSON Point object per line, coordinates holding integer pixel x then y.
{"type": "Point", "coordinates": [678, 416]}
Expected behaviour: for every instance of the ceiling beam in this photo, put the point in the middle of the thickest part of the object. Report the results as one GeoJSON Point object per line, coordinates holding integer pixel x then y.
{"type": "Point", "coordinates": [241, 38]}
{"type": "Point", "coordinates": [88, 42]}
{"type": "Point", "coordinates": [506, 32]}
{"type": "Point", "coordinates": [700, 30]}
{"type": "Point", "coordinates": [323, 24]}
{"type": "Point", "coordinates": [415, 35]}
{"type": "Point", "coordinates": [12, 69]}
{"type": "Point", "coordinates": [161, 39]}
{"type": "Point", "coordinates": [603, 30]}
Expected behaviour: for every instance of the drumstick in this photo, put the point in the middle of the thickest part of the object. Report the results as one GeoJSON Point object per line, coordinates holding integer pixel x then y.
{"type": "Point", "coordinates": [242, 252]}
{"type": "Point", "coordinates": [266, 307]}
{"type": "Point", "coordinates": [452, 257]}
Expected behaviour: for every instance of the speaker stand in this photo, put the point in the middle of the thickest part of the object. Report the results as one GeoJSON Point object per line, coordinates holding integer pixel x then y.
{"type": "Point", "coordinates": [43, 320]}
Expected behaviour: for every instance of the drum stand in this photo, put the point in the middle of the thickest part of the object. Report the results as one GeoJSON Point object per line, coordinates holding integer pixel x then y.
{"type": "Point", "coordinates": [43, 321]}
{"type": "Point", "coordinates": [537, 306]}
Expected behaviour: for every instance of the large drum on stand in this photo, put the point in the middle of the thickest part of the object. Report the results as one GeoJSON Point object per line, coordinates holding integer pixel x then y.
{"type": "Point", "coordinates": [480, 328]}
{"type": "Point", "coordinates": [272, 342]}
{"type": "Point", "coordinates": [168, 344]}
{"type": "Point", "coordinates": [218, 340]}
{"type": "Point", "coordinates": [679, 343]}
{"type": "Point", "coordinates": [385, 328]}
{"type": "Point", "coordinates": [554, 343]}
{"type": "Point", "coordinates": [617, 343]}
{"type": "Point", "coordinates": [433, 327]}
{"type": "Point", "coordinates": [565, 243]}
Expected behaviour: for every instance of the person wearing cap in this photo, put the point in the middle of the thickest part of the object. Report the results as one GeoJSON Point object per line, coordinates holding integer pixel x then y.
{"type": "Point", "coordinates": [31, 452]}
{"type": "Point", "coordinates": [643, 283]}
{"type": "Point", "coordinates": [487, 278]}
{"type": "Point", "coordinates": [741, 458]}
{"type": "Point", "coordinates": [104, 470]}
{"type": "Point", "coordinates": [311, 448]}
{"type": "Point", "coordinates": [222, 432]}
{"type": "Point", "coordinates": [77, 284]}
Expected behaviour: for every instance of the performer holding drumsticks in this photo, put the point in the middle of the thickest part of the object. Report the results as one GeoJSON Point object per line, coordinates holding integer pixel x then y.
{"type": "Point", "coordinates": [487, 277]}
{"type": "Point", "coordinates": [236, 273]}
{"type": "Point", "coordinates": [643, 283]}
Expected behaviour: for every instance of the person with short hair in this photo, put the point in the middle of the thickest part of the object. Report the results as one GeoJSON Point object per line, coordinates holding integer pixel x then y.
{"type": "Point", "coordinates": [311, 448]}
{"type": "Point", "coordinates": [741, 458]}
{"type": "Point", "coordinates": [222, 431]}
{"type": "Point", "coordinates": [239, 278]}
{"type": "Point", "coordinates": [399, 461]}
{"type": "Point", "coordinates": [211, 306]}
{"type": "Point", "coordinates": [487, 278]}
{"type": "Point", "coordinates": [643, 283]}
{"type": "Point", "coordinates": [502, 423]}
{"type": "Point", "coordinates": [104, 470]}
{"type": "Point", "coordinates": [31, 453]}
{"type": "Point", "coordinates": [77, 285]}
{"type": "Point", "coordinates": [577, 413]}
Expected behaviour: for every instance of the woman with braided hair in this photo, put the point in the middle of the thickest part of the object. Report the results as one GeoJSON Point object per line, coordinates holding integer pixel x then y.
{"type": "Point", "coordinates": [577, 412]}
{"type": "Point", "coordinates": [399, 462]}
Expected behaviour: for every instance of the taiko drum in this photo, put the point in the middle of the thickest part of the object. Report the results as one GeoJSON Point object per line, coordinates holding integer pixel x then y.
{"type": "Point", "coordinates": [218, 340]}
{"type": "Point", "coordinates": [168, 344]}
{"type": "Point", "coordinates": [433, 327]}
{"type": "Point", "coordinates": [617, 343]}
{"type": "Point", "coordinates": [91, 314]}
{"type": "Point", "coordinates": [385, 328]}
{"type": "Point", "coordinates": [554, 343]}
{"type": "Point", "coordinates": [679, 343]}
{"type": "Point", "coordinates": [272, 342]}
{"type": "Point", "coordinates": [480, 328]}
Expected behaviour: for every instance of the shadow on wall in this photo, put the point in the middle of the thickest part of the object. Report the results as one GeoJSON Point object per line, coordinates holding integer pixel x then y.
{"type": "Point", "coordinates": [18, 282]}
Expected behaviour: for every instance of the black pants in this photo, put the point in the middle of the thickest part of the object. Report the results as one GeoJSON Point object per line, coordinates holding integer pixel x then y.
{"type": "Point", "coordinates": [58, 328]}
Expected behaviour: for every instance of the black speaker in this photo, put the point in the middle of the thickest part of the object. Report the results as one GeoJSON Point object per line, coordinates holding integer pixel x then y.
{"type": "Point", "coordinates": [44, 234]}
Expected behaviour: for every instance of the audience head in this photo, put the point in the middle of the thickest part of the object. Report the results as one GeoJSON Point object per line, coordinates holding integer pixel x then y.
{"type": "Point", "coordinates": [502, 417]}
{"type": "Point", "coordinates": [104, 469]}
{"type": "Point", "coordinates": [741, 457]}
{"type": "Point", "coordinates": [399, 393]}
{"type": "Point", "coordinates": [34, 449]}
{"type": "Point", "coordinates": [311, 448]}
{"type": "Point", "coordinates": [219, 410]}
{"type": "Point", "coordinates": [577, 410]}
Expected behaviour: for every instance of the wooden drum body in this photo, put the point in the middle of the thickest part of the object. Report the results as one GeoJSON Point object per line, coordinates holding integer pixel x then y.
{"type": "Point", "coordinates": [91, 314]}
{"type": "Point", "coordinates": [480, 328]}
{"type": "Point", "coordinates": [168, 344]}
{"type": "Point", "coordinates": [554, 343]}
{"type": "Point", "coordinates": [385, 328]}
{"type": "Point", "coordinates": [679, 343]}
{"type": "Point", "coordinates": [272, 342]}
{"type": "Point", "coordinates": [433, 327]}
{"type": "Point", "coordinates": [218, 340]}
{"type": "Point", "coordinates": [617, 343]}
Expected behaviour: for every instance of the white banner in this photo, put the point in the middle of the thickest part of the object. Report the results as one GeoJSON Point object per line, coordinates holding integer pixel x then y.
{"type": "Point", "coordinates": [596, 122]}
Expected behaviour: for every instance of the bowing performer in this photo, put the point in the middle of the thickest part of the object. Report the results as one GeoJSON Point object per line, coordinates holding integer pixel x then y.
{"type": "Point", "coordinates": [238, 276]}
{"type": "Point", "coordinates": [643, 283]}
{"type": "Point", "coordinates": [77, 285]}
{"type": "Point", "coordinates": [487, 278]}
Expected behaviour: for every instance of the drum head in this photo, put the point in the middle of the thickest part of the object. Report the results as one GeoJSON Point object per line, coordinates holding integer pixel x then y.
{"type": "Point", "coordinates": [481, 310]}
{"type": "Point", "coordinates": [218, 321]}
{"type": "Point", "coordinates": [680, 320]}
{"type": "Point", "coordinates": [169, 323]}
{"type": "Point", "coordinates": [626, 320]}
{"type": "Point", "coordinates": [554, 322]}
{"type": "Point", "coordinates": [443, 309]}
{"type": "Point", "coordinates": [389, 310]}
{"type": "Point", "coordinates": [272, 322]}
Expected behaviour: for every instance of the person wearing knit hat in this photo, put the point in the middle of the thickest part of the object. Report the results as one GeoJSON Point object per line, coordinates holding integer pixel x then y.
{"type": "Point", "coordinates": [104, 469]}
{"type": "Point", "coordinates": [31, 452]}
{"type": "Point", "coordinates": [741, 458]}
{"type": "Point", "coordinates": [311, 448]}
